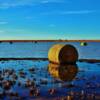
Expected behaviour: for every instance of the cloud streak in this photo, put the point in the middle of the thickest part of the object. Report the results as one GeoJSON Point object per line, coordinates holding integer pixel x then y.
{"type": "Point", "coordinates": [2, 31]}
{"type": "Point", "coordinates": [8, 4]}
{"type": "Point", "coordinates": [78, 12]}
{"type": "Point", "coordinates": [69, 12]}
{"type": "Point", "coordinates": [52, 25]}
{"type": "Point", "coordinates": [5, 4]}
{"type": "Point", "coordinates": [3, 22]}
{"type": "Point", "coordinates": [52, 1]}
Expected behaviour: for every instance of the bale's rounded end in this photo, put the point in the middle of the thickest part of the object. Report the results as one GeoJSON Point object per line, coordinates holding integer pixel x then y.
{"type": "Point", "coordinates": [63, 54]}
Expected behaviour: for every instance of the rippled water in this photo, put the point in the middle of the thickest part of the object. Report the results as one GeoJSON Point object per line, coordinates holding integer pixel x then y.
{"type": "Point", "coordinates": [87, 79]}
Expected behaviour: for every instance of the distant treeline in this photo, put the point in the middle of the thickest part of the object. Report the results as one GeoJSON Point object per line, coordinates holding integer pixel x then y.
{"type": "Point", "coordinates": [49, 41]}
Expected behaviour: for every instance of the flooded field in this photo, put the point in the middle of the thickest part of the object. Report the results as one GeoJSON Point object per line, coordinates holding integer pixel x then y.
{"type": "Point", "coordinates": [31, 80]}
{"type": "Point", "coordinates": [42, 80]}
{"type": "Point", "coordinates": [40, 49]}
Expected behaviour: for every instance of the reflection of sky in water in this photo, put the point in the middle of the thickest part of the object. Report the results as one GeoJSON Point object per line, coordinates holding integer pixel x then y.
{"type": "Point", "coordinates": [40, 49]}
{"type": "Point", "coordinates": [86, 73]}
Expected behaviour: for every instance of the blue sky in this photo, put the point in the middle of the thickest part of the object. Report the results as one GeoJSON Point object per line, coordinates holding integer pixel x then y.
{"type": "Point", "coordinates": [49, 19]}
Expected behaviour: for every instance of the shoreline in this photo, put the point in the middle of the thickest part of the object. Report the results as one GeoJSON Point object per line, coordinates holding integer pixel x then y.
{"type": "Point", "coordinates": [50, 40]}
{"type": "Point", "coordinates": [90, 60]}
{"type": "Point", "coordinates": [44, 59]}
{"type": "Point", "coordinates": [6, 59]}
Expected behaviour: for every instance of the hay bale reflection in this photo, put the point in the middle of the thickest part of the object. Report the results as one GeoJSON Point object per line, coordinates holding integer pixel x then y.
{"type": "Point", "coordinates": [63, 72]}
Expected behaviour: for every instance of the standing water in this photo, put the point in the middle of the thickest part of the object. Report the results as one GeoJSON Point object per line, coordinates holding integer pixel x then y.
{"type": "Point", "coordinates": [31, 79]}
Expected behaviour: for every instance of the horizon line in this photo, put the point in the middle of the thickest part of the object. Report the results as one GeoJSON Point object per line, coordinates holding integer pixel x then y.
{"type": "Point", "coordinates": [51, 40]}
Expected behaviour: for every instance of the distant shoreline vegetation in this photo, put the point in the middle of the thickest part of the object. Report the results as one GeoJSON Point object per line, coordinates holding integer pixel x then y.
{"type": "Point", "coordinates": [49, 41]}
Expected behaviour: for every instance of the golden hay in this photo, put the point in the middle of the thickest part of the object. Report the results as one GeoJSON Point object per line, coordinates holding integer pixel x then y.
{"type": "Point", "coordinates": [60, 53]}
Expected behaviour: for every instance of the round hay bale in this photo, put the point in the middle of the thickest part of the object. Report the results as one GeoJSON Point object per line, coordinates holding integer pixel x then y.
{"type": "Point", "coordinates": [63, 72]}
{"type": "Point", "coordinates": [60, 54]}
{"type": "Point", "coordinates": [83, 43]}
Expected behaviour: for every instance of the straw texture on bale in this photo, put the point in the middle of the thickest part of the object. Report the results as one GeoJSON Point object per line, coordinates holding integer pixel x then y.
{"type": "Point", "coordinates": [63, 72]}
{"type": "Point", "coordinates": [60, 54]}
